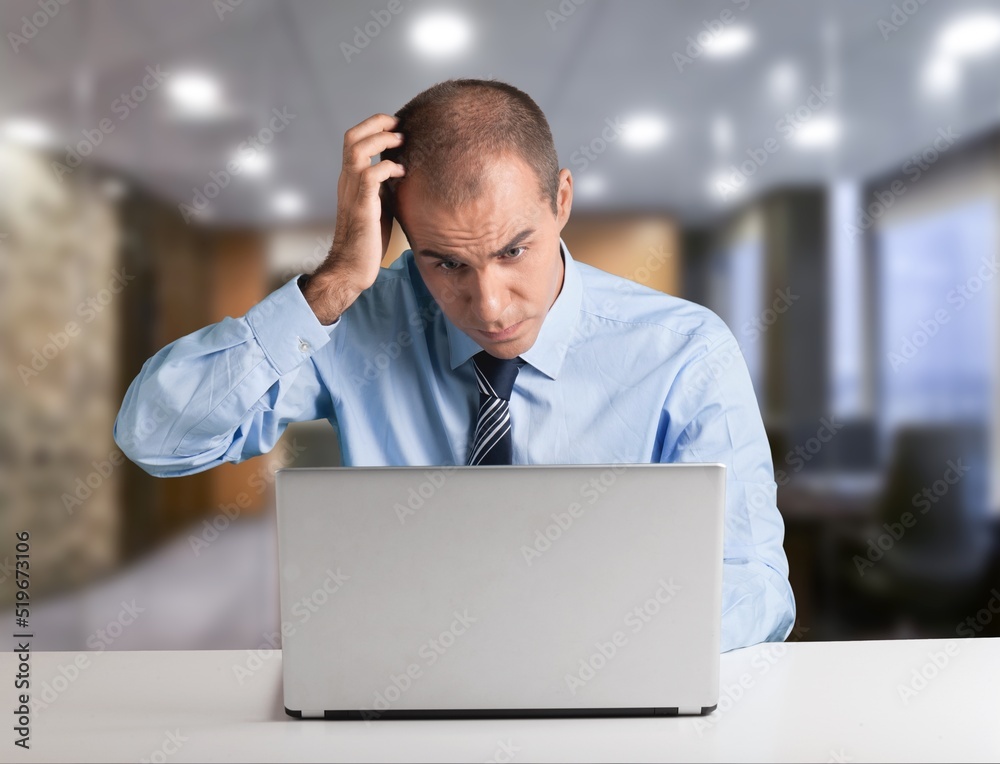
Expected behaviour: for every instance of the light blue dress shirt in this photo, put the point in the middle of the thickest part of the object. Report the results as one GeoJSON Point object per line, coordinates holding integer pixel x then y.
{"type": "Point", "coordinates": [619, 373]}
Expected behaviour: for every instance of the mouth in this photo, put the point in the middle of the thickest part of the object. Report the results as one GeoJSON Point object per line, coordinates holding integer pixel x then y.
{"type": "Point", "coordinates": [504, 334]}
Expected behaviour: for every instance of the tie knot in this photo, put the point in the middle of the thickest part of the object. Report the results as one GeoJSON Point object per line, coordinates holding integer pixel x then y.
{"type": "Point", "coordinates": [496, 375]}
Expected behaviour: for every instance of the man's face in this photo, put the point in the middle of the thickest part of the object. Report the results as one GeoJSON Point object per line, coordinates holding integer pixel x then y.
{"type": "Point", "coordinates": [493, 266]}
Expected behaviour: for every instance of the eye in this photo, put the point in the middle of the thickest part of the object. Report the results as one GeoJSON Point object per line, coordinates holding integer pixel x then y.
{"type": "Point", "coordinates": [519, 250]}
{"type": "Point", "coordinates": [443, 263]}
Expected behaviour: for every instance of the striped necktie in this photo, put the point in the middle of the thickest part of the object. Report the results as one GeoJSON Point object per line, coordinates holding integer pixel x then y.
{"type": "Point", "coordinates": [492, 442]}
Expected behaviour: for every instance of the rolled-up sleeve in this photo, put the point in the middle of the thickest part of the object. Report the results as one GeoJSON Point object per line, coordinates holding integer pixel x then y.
{"type": "Point", "coordinates": [227, 392]}
{"type": "Point", "coordinates": [714, 417]}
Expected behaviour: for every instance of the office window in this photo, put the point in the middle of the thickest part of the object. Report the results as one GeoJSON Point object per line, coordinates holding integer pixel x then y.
{"type": "Point", "coordinates": [936, 306]}
{"type": "Point", "coordinates": [848, 311]}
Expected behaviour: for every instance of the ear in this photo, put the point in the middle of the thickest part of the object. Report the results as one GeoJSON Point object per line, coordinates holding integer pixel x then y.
{"type": "Point", "coordinates": [564, 198]}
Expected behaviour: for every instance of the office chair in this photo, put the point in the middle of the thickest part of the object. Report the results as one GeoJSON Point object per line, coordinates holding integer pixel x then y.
{"type": "Point", "coordinates": [926, 574]}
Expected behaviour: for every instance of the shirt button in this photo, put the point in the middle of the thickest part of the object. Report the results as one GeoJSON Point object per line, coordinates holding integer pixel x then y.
{"type": "Point", "coordinates": [303, 345]}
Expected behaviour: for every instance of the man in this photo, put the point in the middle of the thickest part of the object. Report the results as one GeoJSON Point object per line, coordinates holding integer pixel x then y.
{"type": "Point", "coordinates": [485, 343]}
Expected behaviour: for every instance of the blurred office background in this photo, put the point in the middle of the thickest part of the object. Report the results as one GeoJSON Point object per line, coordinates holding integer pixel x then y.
{"type": "Point", "coordinates": [823, 175]}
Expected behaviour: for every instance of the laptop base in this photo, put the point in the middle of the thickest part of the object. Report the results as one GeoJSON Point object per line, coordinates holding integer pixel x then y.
{"type": "Point", "coordinates": [497, 713]}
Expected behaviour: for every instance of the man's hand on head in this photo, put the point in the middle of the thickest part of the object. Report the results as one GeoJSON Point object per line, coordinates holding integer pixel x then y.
{"type": "Point", "coordinates": [364, 220]}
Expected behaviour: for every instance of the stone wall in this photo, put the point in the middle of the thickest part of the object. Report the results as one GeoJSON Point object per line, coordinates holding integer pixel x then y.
{"type": "Point", "coordinates": [59, 300]}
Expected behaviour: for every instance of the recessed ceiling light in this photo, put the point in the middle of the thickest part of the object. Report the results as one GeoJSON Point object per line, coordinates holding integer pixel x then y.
{"type": "Point", "coordinates": [729, 42]}
{"type": "Point", "coordinates": [970, 36]}
{"type": "Point", "coordinates": [194, 92]}
{"type": "Point", "coordinates": [28, 132]}
{"type": "Point", "coordinates": [289, 203]}
{"type": "Point", "coordinates": [254, 163]}
{"type": "Point", "coordinates": [818, 132]}
{"type": "Point", "coordinates": [643, 132]}
{"type": "Point", "coordinates": [441, 35]}
{"type": "Point", "coordinates": [723, 185]}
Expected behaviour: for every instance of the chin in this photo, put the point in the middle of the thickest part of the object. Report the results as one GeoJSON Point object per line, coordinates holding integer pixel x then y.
{"type": "Point", "coordinates": [506, 353]}
{"type": "Point", "coordinates": [511, 349]}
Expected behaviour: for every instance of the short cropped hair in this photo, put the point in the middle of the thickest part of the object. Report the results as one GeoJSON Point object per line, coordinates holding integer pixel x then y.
{"type": "Point", "coordinates": [453, 130]}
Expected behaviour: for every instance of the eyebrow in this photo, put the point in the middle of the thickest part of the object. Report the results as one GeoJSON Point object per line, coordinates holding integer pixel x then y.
{"type": "Point", "coordinates": [512, 243]}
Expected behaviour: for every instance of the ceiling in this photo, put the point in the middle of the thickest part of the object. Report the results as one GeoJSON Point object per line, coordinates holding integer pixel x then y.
{"type": "Point", "coordinates": [605, 60]}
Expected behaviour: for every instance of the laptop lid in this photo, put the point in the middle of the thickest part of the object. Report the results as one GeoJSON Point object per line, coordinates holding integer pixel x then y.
{"type": "Point", "coordinates": [508, 590]}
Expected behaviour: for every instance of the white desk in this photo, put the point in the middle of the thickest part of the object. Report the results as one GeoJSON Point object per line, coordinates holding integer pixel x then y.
{"type": "Point", "coordinates": [836, 701]}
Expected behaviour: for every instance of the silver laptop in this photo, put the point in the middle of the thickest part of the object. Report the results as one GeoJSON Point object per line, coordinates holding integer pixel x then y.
{"type": "Point", "coordinates": [500, 591]}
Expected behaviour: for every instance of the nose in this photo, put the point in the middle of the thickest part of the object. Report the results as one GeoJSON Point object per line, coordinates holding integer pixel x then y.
{"type": "Point", "coordinates": [487, 298]}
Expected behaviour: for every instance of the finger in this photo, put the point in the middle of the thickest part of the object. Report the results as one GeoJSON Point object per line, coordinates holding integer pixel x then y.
{"type": "Point", "coordinates": [359, 156]}
{"type": "Point", "coordinates": [374, 124]}
{"type": "Point", "coordinates": [373, 177]}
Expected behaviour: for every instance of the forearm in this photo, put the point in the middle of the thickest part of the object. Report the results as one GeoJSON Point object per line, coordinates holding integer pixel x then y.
{"type": "Point", "coordinates": [225, 392]}
{"type": "Point", "coordinates": [714, 418]}
{"type": "Point", "coordinates": [757, 604]}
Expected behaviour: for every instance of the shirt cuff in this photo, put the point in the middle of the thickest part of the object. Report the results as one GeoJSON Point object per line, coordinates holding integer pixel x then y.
{"type": "Point", "coordinates": [286, 327]}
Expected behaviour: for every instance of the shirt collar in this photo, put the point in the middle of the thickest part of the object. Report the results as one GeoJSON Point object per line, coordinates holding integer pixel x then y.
{"type": "Point", "coordinates": [553, 341]}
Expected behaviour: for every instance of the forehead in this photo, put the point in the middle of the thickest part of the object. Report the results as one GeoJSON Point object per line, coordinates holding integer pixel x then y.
{"type": "Point", "coordinates": [509, 200]}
